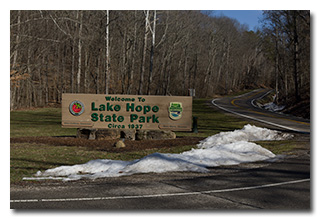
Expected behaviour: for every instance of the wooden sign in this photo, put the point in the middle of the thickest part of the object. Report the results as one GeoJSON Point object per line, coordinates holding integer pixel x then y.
{"type": "Point", "coordinates": [127, 112]}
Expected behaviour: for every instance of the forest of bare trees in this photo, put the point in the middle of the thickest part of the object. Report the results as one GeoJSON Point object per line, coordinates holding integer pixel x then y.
{"type": "Point", "coordinates": [287, 40]}
{"type": "Point", "coordinates": [155, 53]}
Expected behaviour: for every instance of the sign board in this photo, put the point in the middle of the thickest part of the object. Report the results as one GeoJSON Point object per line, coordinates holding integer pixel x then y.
{"type": "Point", "coordinates": [127, 112]}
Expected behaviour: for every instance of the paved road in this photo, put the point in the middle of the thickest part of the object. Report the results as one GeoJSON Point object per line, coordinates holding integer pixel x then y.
{"type": "Point", "coordinates": [243, 106]}
{"type": "Point", "coordinates": [282, 184]}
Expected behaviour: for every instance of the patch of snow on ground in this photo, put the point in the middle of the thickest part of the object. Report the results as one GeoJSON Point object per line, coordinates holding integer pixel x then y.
{"type": "Point", "coordinates": [247, 133]}
{"type": "Point", "coordinates": [273, 107]}
{"type": "Point", "coordinates": [225, 148]}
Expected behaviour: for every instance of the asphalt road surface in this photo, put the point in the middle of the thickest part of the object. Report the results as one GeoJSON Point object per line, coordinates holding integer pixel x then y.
{"type": "Point", "coordinates": [243, 106]}
{"type": "Point", "coordinates": [283, 184]}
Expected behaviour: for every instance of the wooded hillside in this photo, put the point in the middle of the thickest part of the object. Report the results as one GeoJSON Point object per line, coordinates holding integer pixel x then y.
{"type": "Point", "coordinates": [154, 52]}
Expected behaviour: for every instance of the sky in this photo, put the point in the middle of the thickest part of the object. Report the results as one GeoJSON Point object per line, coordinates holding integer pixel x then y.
{"type": "Point", "coordinates": [249, 17]}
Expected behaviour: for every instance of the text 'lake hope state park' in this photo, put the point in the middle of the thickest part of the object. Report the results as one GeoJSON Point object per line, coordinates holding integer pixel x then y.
{"type": "Point", "coordinates": [127, 112]}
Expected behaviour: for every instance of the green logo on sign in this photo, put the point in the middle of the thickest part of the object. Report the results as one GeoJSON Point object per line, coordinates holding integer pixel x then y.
{"type": "Point", "coordinates": [175, 110]}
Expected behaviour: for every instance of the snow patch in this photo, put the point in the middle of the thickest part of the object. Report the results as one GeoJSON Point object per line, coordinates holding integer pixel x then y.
{"type": "Point", "coordinates": [273, 107]}
{"type": "Point", "coordinates": [247, 133]}
{"type": "Point", "coordinates": [225, 148]}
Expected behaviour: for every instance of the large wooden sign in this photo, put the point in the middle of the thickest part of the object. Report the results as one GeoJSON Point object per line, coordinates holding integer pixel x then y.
{"type": "Point", "coordinates": [127, 112]}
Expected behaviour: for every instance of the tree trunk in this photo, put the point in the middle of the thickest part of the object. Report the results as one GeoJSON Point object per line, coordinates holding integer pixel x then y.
{"type": "Point", "coordinates": [13, 89]}
{"type": "Point", "coordinates": [277, 78]}
{"type": "Point", "coordinates": [296, 57]}
{"type": "Point", "coordinates": [130, 80]}
{"type": "Point", "coordinates": [107, 55]}
{"type": "Point", "coordinates": [80, 54]}
{"type": "Point", "coordinates": [163, 74]}
{"type": "Point", "coordinates": [46, 82]}
{"type": "Point", "coordinates": [123, 69]}
{"type": "Point", "coordinates": [72, 67]}
{"type": "Point", "coordinates": [145, 42]}
{"type": "Point", "coordinates": [152, 50]}
{"type": "Point", "coordinates": [86, 71]}
{"type": "Point", "coordinates": [227, 69]}
{"type": "Point", "coordinates": [98, 75]}
{"type": "Point", "coordinates": [277, 68]}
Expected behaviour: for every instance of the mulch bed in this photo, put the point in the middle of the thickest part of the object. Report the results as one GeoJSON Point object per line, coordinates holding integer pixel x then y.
{"type": "Point", "coordinates": [108, 145]}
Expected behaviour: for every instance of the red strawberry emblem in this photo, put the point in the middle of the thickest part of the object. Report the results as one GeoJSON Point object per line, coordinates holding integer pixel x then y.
{"type": "Point", "coordinates": [76, 107]}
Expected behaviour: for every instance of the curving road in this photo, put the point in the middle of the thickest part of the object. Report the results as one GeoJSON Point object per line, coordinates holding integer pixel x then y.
{"type": "Point", "coordinates": [244, 106]}
{"type": "Point", "coordinates": [283, 184]}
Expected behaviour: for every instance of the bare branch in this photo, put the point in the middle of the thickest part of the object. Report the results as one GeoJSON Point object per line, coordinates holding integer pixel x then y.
{"type": "Point", "coordinates": [55, 22]}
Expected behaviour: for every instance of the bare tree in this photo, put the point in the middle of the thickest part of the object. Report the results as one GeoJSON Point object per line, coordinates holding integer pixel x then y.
{"type": "Point", "coordinates": [80, 53]}
{"type": "Point", "coordinates": [154, 52]}
{"type": "Point", "coordinates": [153, 32]}
{"type": "Point", "coordinates": [144, 53]}
{"type": "Point", "coordinates": [107, 72]}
